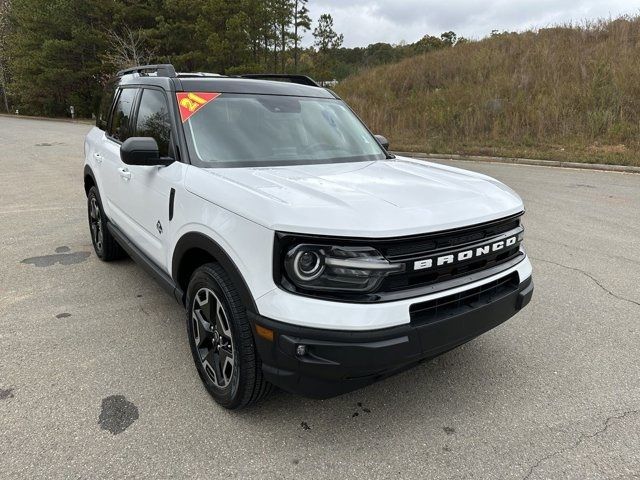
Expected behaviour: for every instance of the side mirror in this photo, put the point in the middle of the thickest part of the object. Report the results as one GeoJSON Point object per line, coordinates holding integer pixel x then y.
{"type": "Point", "coordinates": [382, 141]}
{"type": "Point", "coordinates": [142, 151]}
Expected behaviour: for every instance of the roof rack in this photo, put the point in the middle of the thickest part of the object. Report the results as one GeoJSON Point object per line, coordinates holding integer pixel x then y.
{"type": "Point", "coordinates": [162, 70]}
{"type": "Point", "coordinates": [167, 70]}
{"type": "Point", "coordinates": [197, 74]}
{"type": "Point", "coordinates": [300, 79]}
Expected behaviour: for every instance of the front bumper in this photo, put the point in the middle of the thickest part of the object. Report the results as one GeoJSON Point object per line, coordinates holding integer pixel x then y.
{"type": "Point", "coordinates": [337, 361]}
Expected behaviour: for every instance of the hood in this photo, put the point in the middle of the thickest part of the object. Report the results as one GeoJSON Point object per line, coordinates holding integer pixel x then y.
{"type": "Point", "coordinates": [378, 199]}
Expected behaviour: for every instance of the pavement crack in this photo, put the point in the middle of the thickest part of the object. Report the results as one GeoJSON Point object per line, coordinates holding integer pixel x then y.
{"type": "Point", "coordinates": [583, 437]}
{"type": "Point", "coordinates": [588, 250]}
{"type": "Point", "coordinates": [588, 275]}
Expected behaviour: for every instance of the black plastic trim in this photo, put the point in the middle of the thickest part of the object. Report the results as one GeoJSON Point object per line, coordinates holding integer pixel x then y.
{"type": "Point", "coordinates": [337, 361]}
{"type": "Point", "coordinates": [149, 265]}
{"type": "Point", "coordinates": [453, 283]}
{"type": "Point", "coordinates": [88, 173]}
{"type": "Point", "coordinates": [172, 198]}
{"type": "Point", "coordinates": [200, 241]}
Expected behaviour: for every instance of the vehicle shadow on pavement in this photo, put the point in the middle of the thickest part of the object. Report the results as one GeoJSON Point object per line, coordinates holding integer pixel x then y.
{"type": "Point", "coordinates": [434, 392]}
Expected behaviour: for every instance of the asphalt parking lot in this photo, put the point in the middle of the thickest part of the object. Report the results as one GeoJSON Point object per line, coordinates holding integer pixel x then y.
{"type": "Point", "coordinates": [97, 380]}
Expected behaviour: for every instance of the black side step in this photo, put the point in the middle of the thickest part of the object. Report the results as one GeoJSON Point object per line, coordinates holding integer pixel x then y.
{"type": "Point", "coordinates": [145, 262]}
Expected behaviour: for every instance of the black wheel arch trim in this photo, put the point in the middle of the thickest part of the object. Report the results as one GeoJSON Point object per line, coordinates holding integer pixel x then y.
{"type": "Point", "coordinates": [88, 172]}
{"type": "Point", "coordinates": [197, 240]}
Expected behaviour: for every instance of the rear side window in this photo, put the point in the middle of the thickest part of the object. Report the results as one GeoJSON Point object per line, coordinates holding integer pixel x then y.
{"type": "Point", "coordinates": [102, 119]}
{"type": "Point", "coordinates": [121, 127]}
{"type": "Point", "coordinates": [153, 119]}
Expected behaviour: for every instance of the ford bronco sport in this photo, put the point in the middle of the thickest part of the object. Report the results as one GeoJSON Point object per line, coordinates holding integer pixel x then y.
{"type": "Point", "coordinates": [306, 255]}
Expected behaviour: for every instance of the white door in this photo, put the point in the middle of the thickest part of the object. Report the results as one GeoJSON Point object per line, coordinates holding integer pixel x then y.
{"type": "Point", "coordinates": [116, 178]}
{"type": "Point", "coordinates": [149, 194]}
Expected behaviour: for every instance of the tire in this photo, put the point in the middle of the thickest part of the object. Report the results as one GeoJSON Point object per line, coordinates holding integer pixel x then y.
{"type": "Point", "coordinates": [223, 348]}
{"type": "Point", "coordinates": [105, 246]}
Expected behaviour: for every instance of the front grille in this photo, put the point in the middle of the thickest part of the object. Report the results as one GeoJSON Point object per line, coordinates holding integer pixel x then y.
{"type": "Point", "coordinates": [422, 245]}
{"type": "Point", "coordinates": [412, 279]}
{"type": "Point", "coordinates": [427, 312]}
{"type": "Point", "coordinates": [452, 242]}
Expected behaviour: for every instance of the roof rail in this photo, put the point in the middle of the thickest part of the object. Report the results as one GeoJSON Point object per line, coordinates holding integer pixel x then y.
{"type": "Point", "coordinates": [300, 79]}
{"type": "Point", "coordinates": [162, 70]}
{"type": "Point", "coordinates": [197, 74]}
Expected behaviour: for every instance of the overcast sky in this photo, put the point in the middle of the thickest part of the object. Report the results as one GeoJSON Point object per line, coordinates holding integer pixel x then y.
{"type": "Point", "coordinates": [369, 21]}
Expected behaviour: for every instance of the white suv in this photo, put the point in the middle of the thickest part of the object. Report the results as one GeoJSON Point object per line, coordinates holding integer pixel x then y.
{"type": "Point", "coordinates": [306, 255]}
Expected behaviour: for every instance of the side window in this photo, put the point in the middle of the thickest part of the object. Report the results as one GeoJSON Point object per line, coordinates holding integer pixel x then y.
{"type": "Point", "coordinates": [153, 119]}
{"type": "Point", "coordinates": [121, 122]}
{"type": "Point", "coordinates": [102, 119]}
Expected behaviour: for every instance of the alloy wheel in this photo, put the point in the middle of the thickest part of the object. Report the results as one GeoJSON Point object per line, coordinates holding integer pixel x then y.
{"type": "Point", "coordinates": [95, 222]}
{"type": "Point", "coordinates": [213, 338]}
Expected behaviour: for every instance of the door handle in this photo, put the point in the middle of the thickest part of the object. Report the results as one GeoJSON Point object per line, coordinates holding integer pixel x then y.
{"type": "Point", "coordinates": [125, 174]}
{"type": "Point", "coordinates": [98, 157]}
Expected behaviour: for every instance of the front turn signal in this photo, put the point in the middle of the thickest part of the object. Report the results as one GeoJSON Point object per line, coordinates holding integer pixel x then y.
{"type": "Point", "coordinates": [265, 333]}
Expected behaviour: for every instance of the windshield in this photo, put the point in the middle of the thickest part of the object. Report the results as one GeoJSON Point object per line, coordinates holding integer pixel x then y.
{"type": "Point", "coordinates": [268, 130]}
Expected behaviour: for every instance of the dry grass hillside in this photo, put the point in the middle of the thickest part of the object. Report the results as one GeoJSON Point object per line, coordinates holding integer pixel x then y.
{"type": "Point", "coordinates": [569, 93]}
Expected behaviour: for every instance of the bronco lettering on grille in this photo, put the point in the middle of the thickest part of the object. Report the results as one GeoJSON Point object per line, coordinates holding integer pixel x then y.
{"type": "Point", "coordinates": [464, 255]}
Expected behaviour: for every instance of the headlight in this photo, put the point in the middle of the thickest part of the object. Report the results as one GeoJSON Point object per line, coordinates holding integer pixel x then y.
{"type": "Point", "coordinates": [333, 268]}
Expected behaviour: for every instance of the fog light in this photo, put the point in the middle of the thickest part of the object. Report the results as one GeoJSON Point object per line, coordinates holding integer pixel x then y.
{"type": "Point", "coordinates": [301, 350]}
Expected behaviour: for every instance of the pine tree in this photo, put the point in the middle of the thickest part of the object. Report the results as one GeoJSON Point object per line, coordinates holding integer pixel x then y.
{"type": "Point", "coordinates": [326, 41]}
{"type": "Point", "coordinates": [301, 22]}
{"type": "Point", "coordinates": [5, 28]}
{"type": "Point", "coordinates": [283, 10]}
{"type": "Point", "coordinates": [53, 51]}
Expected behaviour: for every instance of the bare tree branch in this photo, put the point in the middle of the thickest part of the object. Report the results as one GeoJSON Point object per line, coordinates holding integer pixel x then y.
{"type": "Point", "coordinates": [128, 48]}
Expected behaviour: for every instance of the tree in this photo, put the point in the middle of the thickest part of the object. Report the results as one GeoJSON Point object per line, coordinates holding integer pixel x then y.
{"type": "Point", "coordinates": [326, 38]}
{"type": "Point", "coordinates": [57, 53]}
{"type": "Point", "coordinates": [326, 41]}
{"type": "Point", "coordinates": [54, 49]}
{"type": "Point", "coordinates": [284, 13]}
{"type": "Point", "coordinates": [255, 11]}
{"type": "Point", "coordinates": [218, 35]}
{"type": "Point", "coordinates": [380, 53]}
{"type": "Point", "coordinates": [450, 38]}
{"type": "Point", "coordinates": [175, 32]}
{"type": "Point", "coordinates": [128, 48]}
{"type": "Point", "coordinates": [427, 44]}
{"type": "Point", "coordinates": [5, 28]}
{"type": "Point", "coordinates": [301, 22]}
